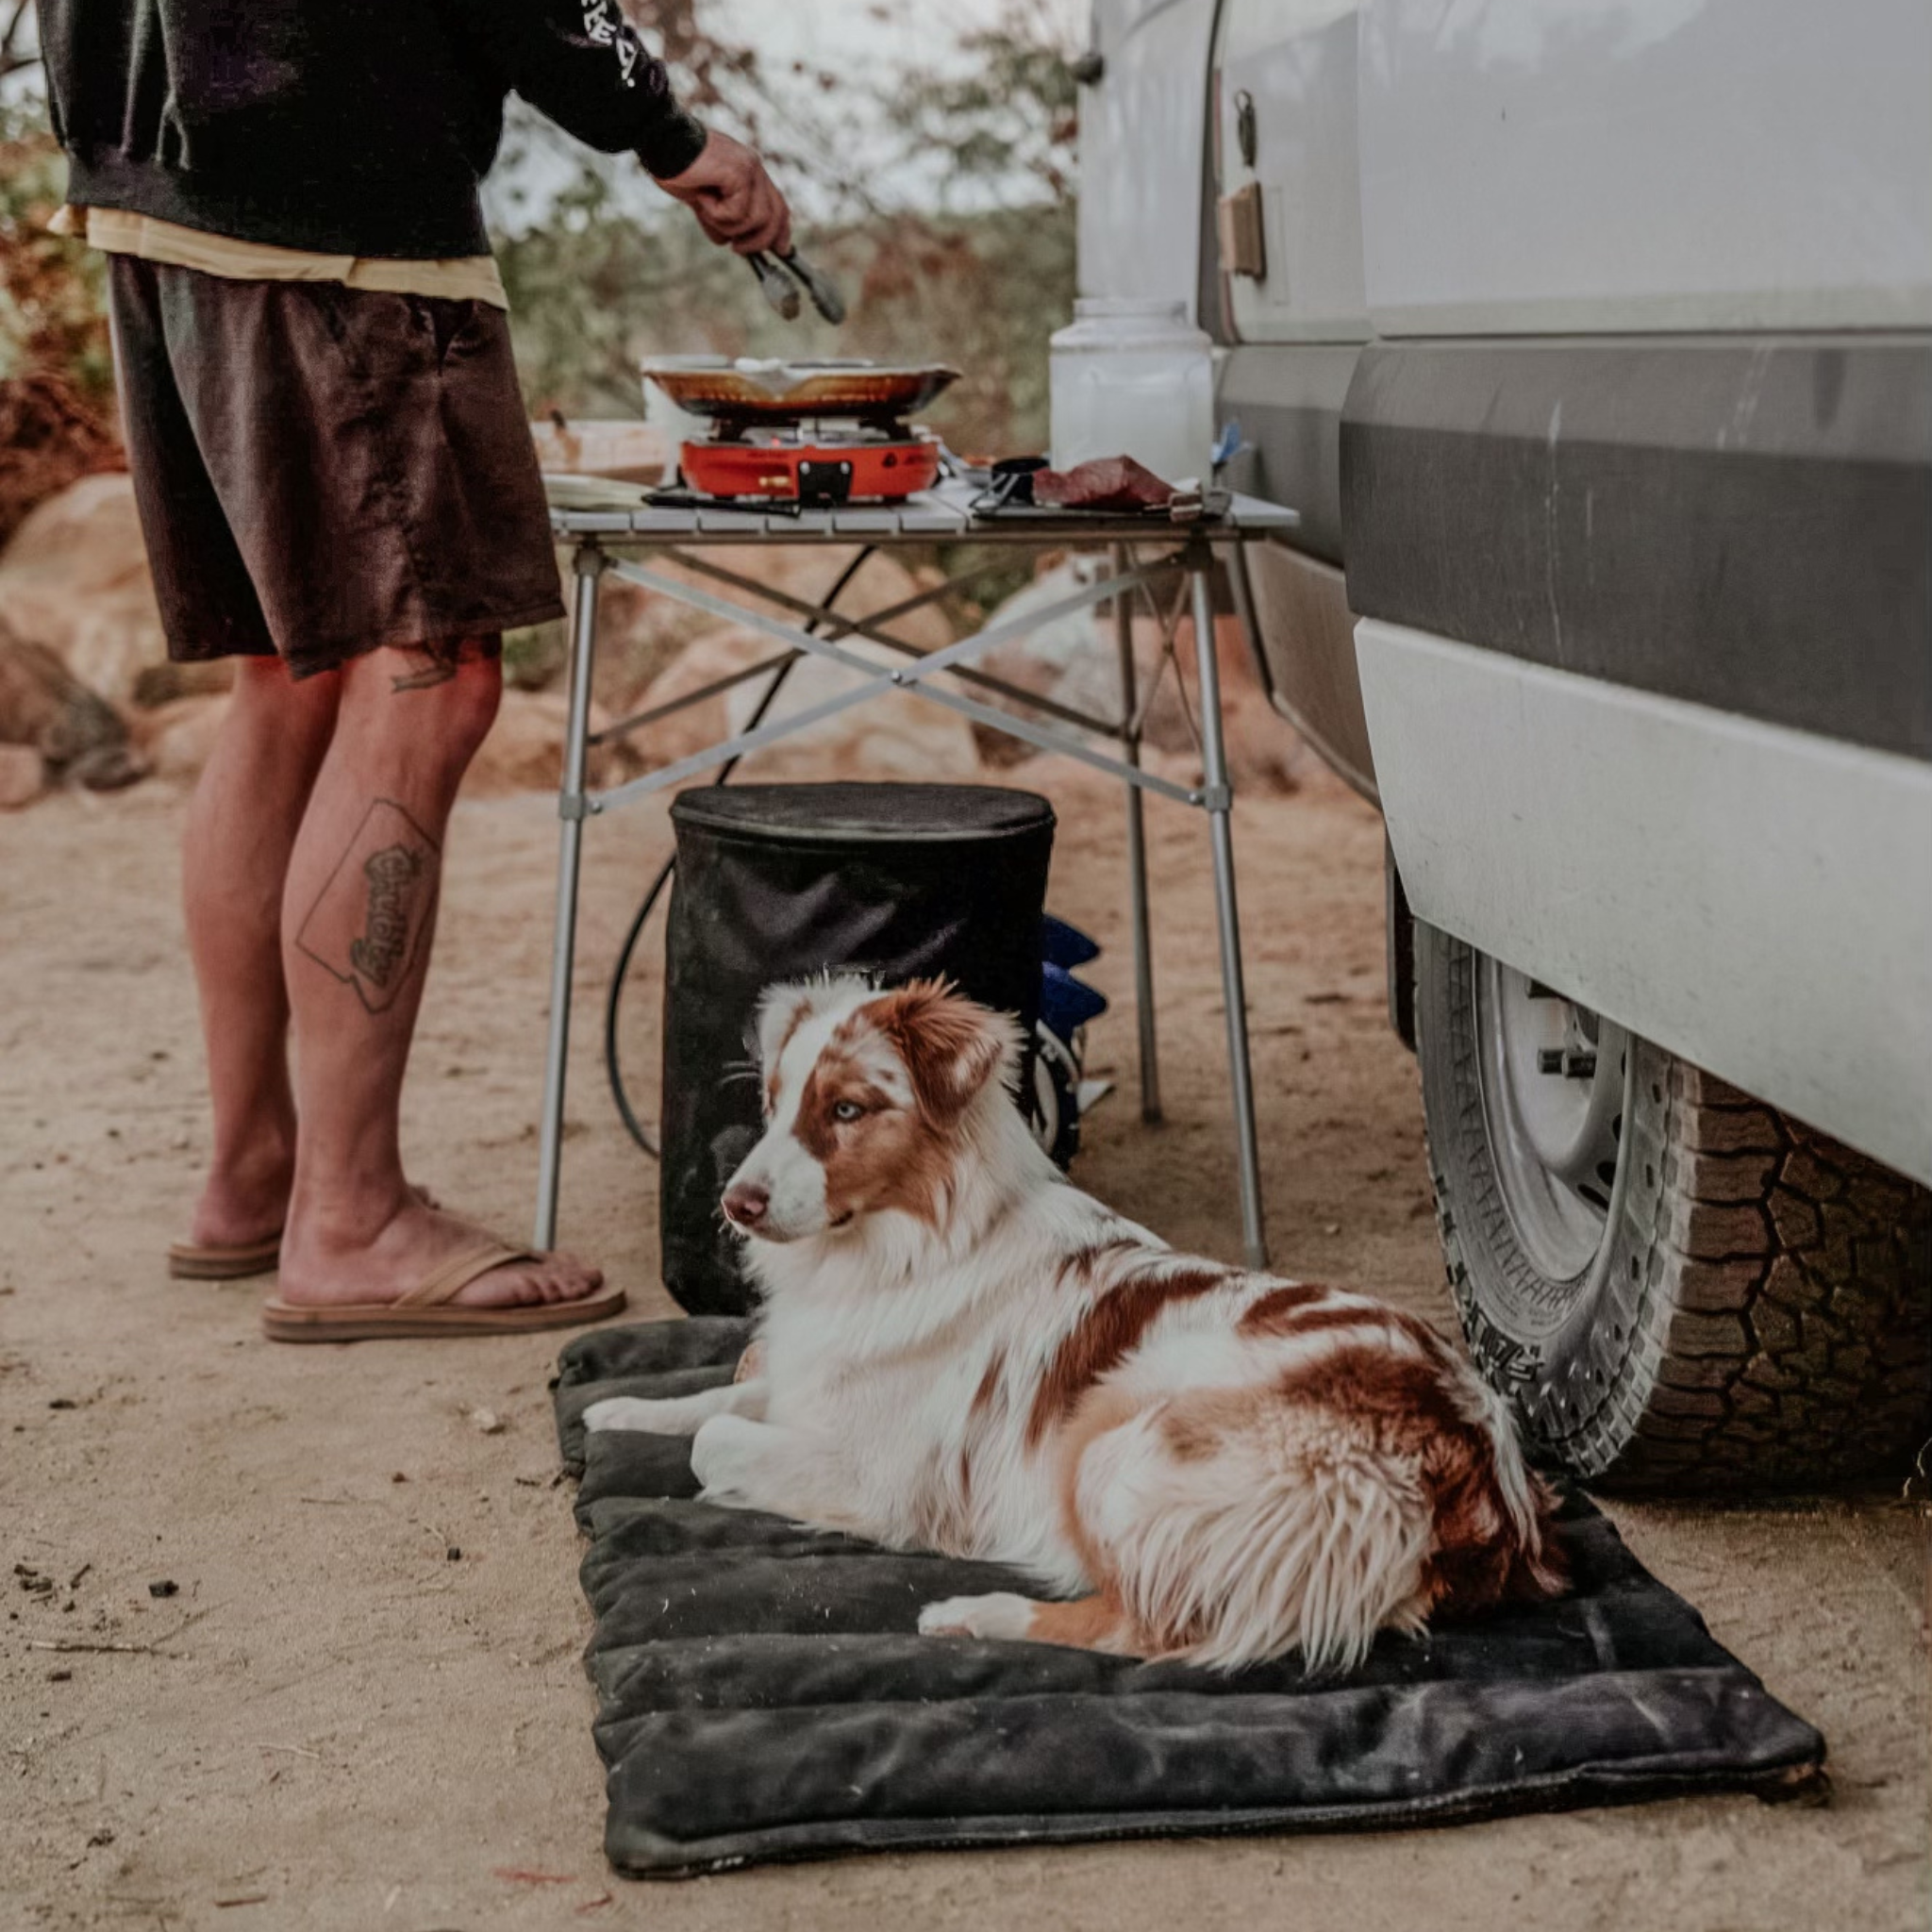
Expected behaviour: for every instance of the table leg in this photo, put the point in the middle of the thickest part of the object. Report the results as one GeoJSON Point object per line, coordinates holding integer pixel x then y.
{"type": "Point", "coordinates": [1219, 806]}
{"type": "Point", "coordinates": [1136, 848]}
{"type": "Point", "coordinates": [571, 806]}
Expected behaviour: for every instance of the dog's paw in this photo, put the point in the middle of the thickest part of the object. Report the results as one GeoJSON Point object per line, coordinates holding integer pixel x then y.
{"type": "Point", "coordinates": [1002, 1615]}
{"type": "Point", "coordinates": [723, 1458]}
{"type": "Point", "coordinates": [623, 1412]}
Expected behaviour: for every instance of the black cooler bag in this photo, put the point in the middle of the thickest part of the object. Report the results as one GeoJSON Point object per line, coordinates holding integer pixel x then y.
{"type": "Point", "coordinates": [777, 882]}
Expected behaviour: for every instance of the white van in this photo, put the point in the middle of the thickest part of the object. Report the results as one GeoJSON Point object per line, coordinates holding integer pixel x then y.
{"type": "Point", "coordinates": [1594, 340]}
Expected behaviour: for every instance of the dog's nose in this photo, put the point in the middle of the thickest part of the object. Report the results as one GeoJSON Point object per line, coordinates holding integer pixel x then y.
{"type": "Point", "coordinates": [745, 1202]}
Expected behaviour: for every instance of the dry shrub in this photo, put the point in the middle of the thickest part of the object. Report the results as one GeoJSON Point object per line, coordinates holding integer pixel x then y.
{"type": "Point", "coordinates": [57, 401]}
{"type": "Point", "coordinates": [50, 436]}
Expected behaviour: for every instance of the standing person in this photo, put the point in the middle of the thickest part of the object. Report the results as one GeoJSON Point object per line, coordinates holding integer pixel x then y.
{"type": "Point", "coordinates": [338, 487]}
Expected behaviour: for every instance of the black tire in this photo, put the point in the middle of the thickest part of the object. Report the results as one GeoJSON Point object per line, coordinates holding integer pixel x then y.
{"type": "Point", "coordinates": [1052, 1102]}
{"type": "Point", "coordinates": [1758, 1311]}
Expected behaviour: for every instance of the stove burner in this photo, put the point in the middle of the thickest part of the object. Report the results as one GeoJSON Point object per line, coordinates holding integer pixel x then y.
{"type": "Point", "coordinates": [816, 469]}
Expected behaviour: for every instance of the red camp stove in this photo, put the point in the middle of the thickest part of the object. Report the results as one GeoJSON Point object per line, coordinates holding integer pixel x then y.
{"type": "Point", "coordinates": [809, 433]}
{"type": "Point", "coordinates": [828, 465]}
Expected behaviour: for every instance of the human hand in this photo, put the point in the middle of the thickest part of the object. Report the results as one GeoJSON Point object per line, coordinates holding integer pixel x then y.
{"type": "Point", "coordinates": [736, 203]}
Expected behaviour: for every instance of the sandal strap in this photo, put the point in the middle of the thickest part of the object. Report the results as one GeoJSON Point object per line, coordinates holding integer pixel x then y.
{"type": "Point", "coordinates": [456, 1274]}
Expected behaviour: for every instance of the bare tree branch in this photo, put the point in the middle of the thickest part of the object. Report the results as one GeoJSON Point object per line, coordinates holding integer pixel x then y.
{"type": "Point", "coordinates": [13, 57]}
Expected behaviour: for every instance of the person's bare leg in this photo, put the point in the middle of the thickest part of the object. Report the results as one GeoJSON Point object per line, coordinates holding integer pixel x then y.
{"type": "Point", "coordinates": [242, 828]}
{"type": "Point", "coordinates": [358, 921]}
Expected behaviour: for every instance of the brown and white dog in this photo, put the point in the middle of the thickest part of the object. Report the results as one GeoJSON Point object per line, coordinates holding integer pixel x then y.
{"type": "Point", "coordinates": [959, 1351]}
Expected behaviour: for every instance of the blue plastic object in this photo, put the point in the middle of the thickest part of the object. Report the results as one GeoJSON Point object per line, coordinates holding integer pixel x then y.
{"type": "Point", "coordinates": [1065, 947]}
{"type": "Point", "coordinates": [1065, 1004]}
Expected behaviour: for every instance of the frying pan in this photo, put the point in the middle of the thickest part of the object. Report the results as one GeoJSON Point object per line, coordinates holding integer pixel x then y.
{"type": "Point", "coordinates": [785, 391]}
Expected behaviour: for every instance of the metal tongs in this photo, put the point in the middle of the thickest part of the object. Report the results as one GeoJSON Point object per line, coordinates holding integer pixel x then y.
{"type": "Point", "coordinates": [775, 274]}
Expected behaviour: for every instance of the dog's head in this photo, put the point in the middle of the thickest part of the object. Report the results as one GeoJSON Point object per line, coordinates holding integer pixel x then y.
{"type": "Point", "coordinates": [867, 1094]}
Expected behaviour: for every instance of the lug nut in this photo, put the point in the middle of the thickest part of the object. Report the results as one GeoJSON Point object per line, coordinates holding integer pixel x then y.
{"type": "Point", "coordinates": [1549, 1060]}
{"type": "Point", "coordinates": [1580, 1066]}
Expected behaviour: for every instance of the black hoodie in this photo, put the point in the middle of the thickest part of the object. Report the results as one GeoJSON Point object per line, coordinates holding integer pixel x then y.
{"type": "Point", "coordinates": [342, 127]}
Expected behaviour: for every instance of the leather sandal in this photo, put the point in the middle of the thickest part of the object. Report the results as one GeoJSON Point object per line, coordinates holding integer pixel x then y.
{"type": "Point", "coordinates": [431, 1309]}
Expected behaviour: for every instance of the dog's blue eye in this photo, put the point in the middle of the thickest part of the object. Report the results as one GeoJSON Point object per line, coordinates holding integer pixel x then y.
{"type": "Point", "coordinates": [847, 1110]}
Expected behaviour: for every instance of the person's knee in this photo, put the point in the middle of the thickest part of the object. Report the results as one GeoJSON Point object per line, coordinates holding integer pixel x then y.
{"type": "Point", "coordinates": [469, 704]}
{"type": "Point", "coordinates": [265, 696]}
{"type": "Point", "coordinates": [439, 704]}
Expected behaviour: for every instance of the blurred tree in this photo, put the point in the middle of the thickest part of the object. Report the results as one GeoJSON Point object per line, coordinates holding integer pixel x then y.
{"type": "Point", "coordinates": [984, 282]}
{"type": "Point", "coordinates": [19, 45]}
{"type": "Point", "coordinates": [57, 395]}
{"type": "Point", "coordinates": [1004, 117]}
{"type": "Point", "coordinates": [980, 280]}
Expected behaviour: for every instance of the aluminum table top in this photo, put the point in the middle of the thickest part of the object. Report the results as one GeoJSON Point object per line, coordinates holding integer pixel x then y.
{"type": "Point", "coordinates": [940, 515]}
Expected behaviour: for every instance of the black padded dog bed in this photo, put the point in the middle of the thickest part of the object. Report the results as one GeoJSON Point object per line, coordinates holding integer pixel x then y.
{"type": "Point", "coordinates": [763, 1694]}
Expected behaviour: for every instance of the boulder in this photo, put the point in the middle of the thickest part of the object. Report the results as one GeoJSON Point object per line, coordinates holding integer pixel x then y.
{"type": "Point", "coordinates": [524, 749]}
{"type": "Point", "coordinates": [642, 635]}
{"type": "Point", "coordinates": [176, 738]}
{"type": "Point", "coordinates": [888, 737]}
{"type": "Point", "coordinates": [522, 752]}
{"type": "Point", "coordinates": [23, 775]}
{"type": "Point", "coordinates": [1074, 661]}
{"type": "Point", "coordinates": [807, 572]}
{"type": "Point", "coordinates": [76, 734]}
{"type": "Point", "coordinates": [50, 433]}
{"type": "Point", "coordinates": [717, 653]}
{"type": "Point", "coordinates": [74, 577]}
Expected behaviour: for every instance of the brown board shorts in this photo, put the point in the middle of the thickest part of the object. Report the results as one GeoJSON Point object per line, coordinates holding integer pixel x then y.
{"type": "Point", "coordinates": [322, 471]}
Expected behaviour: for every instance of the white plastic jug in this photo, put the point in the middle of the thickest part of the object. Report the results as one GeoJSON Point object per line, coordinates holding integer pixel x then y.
{"type": "Point", "coordinates": [1134, 379]}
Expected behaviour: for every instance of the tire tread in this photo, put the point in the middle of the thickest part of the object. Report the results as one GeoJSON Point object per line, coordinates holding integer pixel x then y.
{"type": "Point", "coordinates": [1777, 1329]}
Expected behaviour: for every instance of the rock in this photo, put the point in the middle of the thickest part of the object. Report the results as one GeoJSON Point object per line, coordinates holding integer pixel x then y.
{"type": "Point", "coordinates": [486, 1422]}
{"type": "Point", "coordinates": [161, 684]}
{"type": "Point", "coordinates": [1074, 661]}
{"type": "Point", "coordinates": [177, 737]}
{"type": "Point", "coordinates": [524, 749]}
{"type": "Point", "coordinates": [639, 634]}
{"type": "Point", "coordinates": [806, 572]}
{"type": "Point", "coordinates": [891, 737]}
{"type": "Point", "coordinates": [642, 634]}
{"type": "Point", "coordinates": [23, 776]}
{"type": "Point", "coordinates": [74, 577]}
{"type": "Point", "coordinates": [895, 738]}
{"type": "Point", "coordinates": [50, 433]}
{"type": "Point", "coordinates": [77, 735]}
{"type": "Point", "coordinates": [717, 654]}
{"type": "Point", "coordinates": [522, 752]}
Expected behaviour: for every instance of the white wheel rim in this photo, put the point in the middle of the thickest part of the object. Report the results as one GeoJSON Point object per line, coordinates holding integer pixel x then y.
{"type": "Point", "coordinates": [1552, 1080]}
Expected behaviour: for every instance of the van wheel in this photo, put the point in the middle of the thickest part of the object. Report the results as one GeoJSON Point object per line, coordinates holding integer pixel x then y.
{"type": "Point", "coordinates": [1052, 1103]}
{"type": "Point", "coordinates": [1676, 1286]}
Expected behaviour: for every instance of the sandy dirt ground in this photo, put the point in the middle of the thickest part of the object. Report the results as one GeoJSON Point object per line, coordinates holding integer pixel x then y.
{"type": "Point", "coordinates": [359, 1704]}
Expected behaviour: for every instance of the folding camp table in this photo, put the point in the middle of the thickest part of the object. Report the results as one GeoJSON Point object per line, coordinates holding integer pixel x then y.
{"type": "Point", "coordinates": [624, 539]}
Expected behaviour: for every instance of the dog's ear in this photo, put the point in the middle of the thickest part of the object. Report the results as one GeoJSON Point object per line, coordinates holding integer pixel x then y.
{"type": "Point", "coordinates": [951, 1045]}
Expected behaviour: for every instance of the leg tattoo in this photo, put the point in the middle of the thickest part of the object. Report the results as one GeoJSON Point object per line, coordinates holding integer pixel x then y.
{"type": "Point", "coordinates": [437, 663]}
{"type": "Point", "coordinates": [368, 926]}
{"type": "Point", "coordinates": [435, 672]}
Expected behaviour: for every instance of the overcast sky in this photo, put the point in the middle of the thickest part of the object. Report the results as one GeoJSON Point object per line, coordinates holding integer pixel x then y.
{"type": "Point", "coordinates": [828, 31]}
{"type": "Point", "coordinates": [871, 38]}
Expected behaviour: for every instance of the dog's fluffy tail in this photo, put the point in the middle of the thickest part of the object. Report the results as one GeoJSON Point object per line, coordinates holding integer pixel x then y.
{"type": "Point", "coordinates": [1231, 1540]}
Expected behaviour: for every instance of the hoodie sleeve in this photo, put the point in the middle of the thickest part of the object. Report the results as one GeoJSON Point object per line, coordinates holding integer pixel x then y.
{"type": "Point", "coordinates": [581, 63]}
